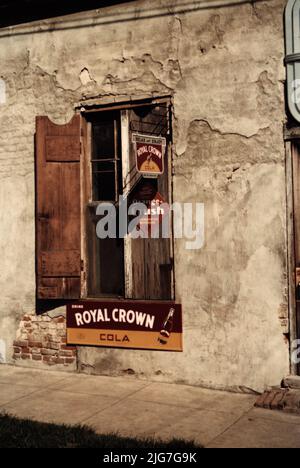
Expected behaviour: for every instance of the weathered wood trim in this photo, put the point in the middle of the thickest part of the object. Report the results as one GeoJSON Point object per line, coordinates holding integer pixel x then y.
{"type": "Point", "coordinates": [100, 106]}
{"type": "Point", "coordinates": [291, 264]}
{"type": "Point", "coordinates": [171, 198]}
{"type": "Point", "coordinates": [291, 133]}
{"type": "Point", "coordinates": [126, 189]}
{"type": "Point", "coordinates": [84, 183]}
{"type": "Point", "coordinates": [58, 169]}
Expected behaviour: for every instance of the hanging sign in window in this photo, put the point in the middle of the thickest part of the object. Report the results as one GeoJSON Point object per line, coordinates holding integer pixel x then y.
{"type": "Point", "coordinates": [125, 324]}
{"type": "Point", "coordinates": [156, 208]}
{"type": "Point", "coordinates": [149, 152]}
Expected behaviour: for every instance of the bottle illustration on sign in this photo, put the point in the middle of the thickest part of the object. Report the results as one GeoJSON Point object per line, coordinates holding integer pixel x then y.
{"type": "Point", "coordinates": [167, 328]}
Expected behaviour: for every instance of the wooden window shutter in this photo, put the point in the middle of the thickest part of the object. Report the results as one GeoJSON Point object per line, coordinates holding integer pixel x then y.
{"type": "Point", "coordinates": [58, 209]}
{"type": "Point", "coordinates": [152, 264]}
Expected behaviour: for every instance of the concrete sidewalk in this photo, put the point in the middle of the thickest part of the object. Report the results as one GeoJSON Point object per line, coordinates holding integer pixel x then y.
{"type": "Point", "coordinates": [142, 408]}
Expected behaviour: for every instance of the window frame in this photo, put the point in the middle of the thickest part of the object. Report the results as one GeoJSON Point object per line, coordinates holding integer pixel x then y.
{"type": "Point", "coordinates": [86, 188]}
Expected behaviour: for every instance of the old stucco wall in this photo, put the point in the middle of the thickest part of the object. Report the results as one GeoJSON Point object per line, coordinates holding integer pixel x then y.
{"type": "Point", "coordinates": [224, 67]}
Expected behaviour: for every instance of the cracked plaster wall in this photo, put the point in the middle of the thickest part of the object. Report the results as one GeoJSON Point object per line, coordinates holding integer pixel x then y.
{"type": "Point", "coordinates": [224, 67]}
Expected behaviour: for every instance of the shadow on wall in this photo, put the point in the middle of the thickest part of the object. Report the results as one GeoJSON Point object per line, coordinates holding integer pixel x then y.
{"type": "Point", "coordinates": [43, 306]}
{"type": "Point", "coordinates": [19, 11]}
{"type": "Point", "coordinates": [35, 10]}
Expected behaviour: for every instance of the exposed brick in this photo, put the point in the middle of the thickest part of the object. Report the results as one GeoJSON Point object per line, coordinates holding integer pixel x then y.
{"type": "Point", "coordinates": [69, 360]}
{"type": "Point", "coordinates": [68, 347]}
{"type": "Point", "coordinates": [51, 363]}
{"type": "Point", "coordinates": [43, 339]}
{"type": "Point", "coordinates": [269, 398]}
{"type": "Point", "coordinates": [21, 343]}
{"type": "Point", "coordinates": [54, 345]}
{"type": "Point", "coordinates": [25, 356]}
{"type": "Point", "coordinates": [59, 320]}
{"type": "Point", "coordinates": [37, 357]}
{"type": "Point", "coordinates": [35, 344]}
{"type": "Point", "coordinates": [261, 399]}
{"type": "Point", "coordinates": [277, 402]}
{"type": "Point", "coordinates": [59, 360]}
{"type": "Point", "coordinates": [291, 401]}
{"type": "Point", "coordinates": [49, 352]}
{"type": "Point", "coordinates": [66, 353]}
{"type": "Point", "coordinates": [36, 336]}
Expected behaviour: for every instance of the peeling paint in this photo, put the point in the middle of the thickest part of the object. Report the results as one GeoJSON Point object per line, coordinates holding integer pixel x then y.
{"type": "Point", "coordinates": [224, 69]}
{"type": "Point", "coordinates": [85, 77]}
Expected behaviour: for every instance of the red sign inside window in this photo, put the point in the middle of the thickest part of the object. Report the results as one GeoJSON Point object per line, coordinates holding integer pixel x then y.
{"type": "Point", "coordinates": [156, 208]}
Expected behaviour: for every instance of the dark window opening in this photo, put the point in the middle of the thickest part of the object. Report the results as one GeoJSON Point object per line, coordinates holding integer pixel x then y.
{"type": "Point", "coordinates": [105, 256]}
{"type": "Point", "coordinates": [106, 158]}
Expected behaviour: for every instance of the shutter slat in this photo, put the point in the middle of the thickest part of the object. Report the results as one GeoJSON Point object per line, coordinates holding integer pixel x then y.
{"type": "Point", "coordinates": [58, 209]}
{"type": "Point", "coordinates": [62, 148]}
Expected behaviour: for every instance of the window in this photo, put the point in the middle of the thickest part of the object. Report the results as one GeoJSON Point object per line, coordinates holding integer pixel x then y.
{"type": "Point", "coordinates": [79, 165]}
{"type": "Point", "coordinates": [106, 157]}
{"type": "Point", "coordinates": [105, 257]}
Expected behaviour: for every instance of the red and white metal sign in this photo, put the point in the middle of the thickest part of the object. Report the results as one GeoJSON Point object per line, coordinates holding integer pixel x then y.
{"type": "Point", "coordinates": [149, 152]}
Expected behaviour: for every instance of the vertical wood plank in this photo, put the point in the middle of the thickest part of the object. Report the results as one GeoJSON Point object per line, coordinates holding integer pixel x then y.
{"type": "Point", "coordinates": [293, 230]}
{"type": "Point", "coordinates": [85, 184]}
{"type": "Point", "coordinates": [126, 189]}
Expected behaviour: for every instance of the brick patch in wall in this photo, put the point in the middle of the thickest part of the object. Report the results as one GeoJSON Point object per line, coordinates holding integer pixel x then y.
{"type": "Point", "coordinates": [283, 399]}
{"type": "Point", "coordinates": [42, 339]}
